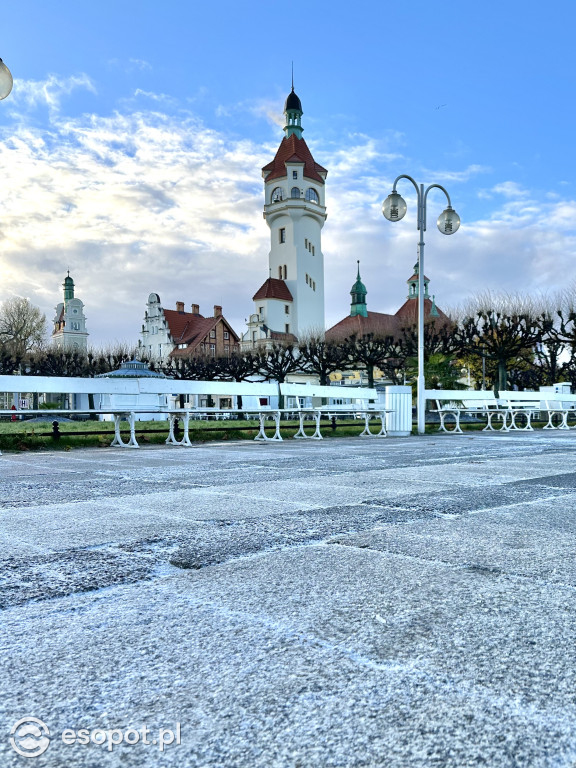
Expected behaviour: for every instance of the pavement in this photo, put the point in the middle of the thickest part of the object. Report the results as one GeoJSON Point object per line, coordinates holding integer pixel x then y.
{"type": "Point", "coordinates": [354, 602]}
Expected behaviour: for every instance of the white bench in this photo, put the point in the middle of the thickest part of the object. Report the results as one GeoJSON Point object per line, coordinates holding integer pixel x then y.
{"type": "Point", "coordinates": [528, 404]}
{"type": "Point", "coordinates": [455, 402]}
{"type": "Point", "coordinates": [130, 388]}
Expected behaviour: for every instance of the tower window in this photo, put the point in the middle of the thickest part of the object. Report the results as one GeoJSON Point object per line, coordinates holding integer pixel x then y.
{"type": "Point", "coordinates": [277, 195]}
{"type": "Point", "coordinates": [287, 309]}
{"type": "Point", "coordinates": [307, 278]}
{"type": "Point", "coordinates": [285, 272]}
{"type": "Point", "coordinates": [282, 235]}
{"type": "Point", "coordinates": [312, 195]}
{"type": "Point", "coordinates": [313, 251]}
{"type": "Point", "coordinates": [294, 174]}
{"type": "Point", "coordinates": [295, 192]}
{"type": "Point", "coordinates": [287, 326]}
{"type": "Point", "coordinates": [280, 272]}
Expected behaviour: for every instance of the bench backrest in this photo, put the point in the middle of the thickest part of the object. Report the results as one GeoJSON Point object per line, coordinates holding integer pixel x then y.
{"type": "Point", "coordinates": [471, 396]}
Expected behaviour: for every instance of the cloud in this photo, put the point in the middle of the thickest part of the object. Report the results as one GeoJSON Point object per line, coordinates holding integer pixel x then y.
{"type": "Point", "coordinates": [143, 201]}
{"type": "Point", "coordinates": [29, 94]}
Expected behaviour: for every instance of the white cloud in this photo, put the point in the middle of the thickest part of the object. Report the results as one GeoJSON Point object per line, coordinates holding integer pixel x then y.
{"type": "Point", "coordinates": [29, 94]}
{"type": "Point", "coordinates": [145, 201]}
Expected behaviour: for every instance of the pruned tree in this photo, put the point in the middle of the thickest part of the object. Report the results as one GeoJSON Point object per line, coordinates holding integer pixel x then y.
{"type": "Point", "coordinates": [323, 357]}
{"type": "Point", "coordinates": [500, 338]}
{"type": "Point", "coordinates": [371, 351]}
{"type": "Point", "coordinates": [22, 326]}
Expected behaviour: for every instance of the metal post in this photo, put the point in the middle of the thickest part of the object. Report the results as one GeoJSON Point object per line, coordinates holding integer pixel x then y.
{"type": "Point", "coordinates": [421, 383]}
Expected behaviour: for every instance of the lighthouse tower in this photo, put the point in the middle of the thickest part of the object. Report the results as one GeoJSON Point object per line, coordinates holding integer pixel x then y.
{"type": "Point", "coordinates": [290, 304]}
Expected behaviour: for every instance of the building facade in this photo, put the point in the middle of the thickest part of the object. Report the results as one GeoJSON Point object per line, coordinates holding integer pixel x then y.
{"type": "Point", "coordinates": [290, 303]}
{"type": "Point", "coordinates": [70, 322]}
{"type": "Point", "coordinates": [170, 333]}
{"type": "Point", "coordinates": [361, 322]}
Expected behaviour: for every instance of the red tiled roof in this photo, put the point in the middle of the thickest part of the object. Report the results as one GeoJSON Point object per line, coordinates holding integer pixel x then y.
{"type": "Point", "coordinates": [190, 329]}
{"type": "Point", "coordinates": [381, 324]}
{"type": "Point", "coordinates": [273, 288]}
{"type": "Point", "coordinates": [408, 312]}
{"type": "Point", "coordinates": [294, 150]}
{"type": "Point", "coordinates": [377, 323]}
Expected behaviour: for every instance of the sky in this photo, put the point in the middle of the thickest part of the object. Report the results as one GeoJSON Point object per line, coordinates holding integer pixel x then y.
{"type": "Point", "coordinates": [132, 144]}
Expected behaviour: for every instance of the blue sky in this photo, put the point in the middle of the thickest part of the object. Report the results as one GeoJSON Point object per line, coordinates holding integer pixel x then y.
{"type": "Point", "coordinates": [132, 144]}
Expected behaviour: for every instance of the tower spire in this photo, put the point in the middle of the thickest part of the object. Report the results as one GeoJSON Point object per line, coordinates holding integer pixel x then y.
{"type": "Point", "coordinates": [293, 112]}
{"type": "Point", "coordinates": [358, 294]}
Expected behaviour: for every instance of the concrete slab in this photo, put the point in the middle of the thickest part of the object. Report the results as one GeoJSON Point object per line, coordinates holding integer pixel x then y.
{"type": "Point", "coordinates": [400, 603]}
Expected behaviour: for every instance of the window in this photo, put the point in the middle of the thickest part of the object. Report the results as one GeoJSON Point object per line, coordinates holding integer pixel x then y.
{"type": "Point", "coordinates": [277, 195]}
{"type": "Point", "coordinates": [226, 335]}
{"type": "Point", "coordinates": [313, 251]}
{"type": "Point", "coordinates": [295, 193]}
{"type": "Point", "coordinates": [261, 310]}
{"type": "Point", "coordinates": [286, 309]}
{"type": "Point", "coordinates": [280, 273]}
{"type": "Point", "coordinates": [307, 278]}
{"type": "Point", "coordinates": [213, 350]}
{"type": "Point", "coordinates": [282, 235]}
{"type": "Point", "coordinates": [213, 334]}
{"type": "Point", "coordinates": [305, 242]}
{"type": "Point", "coordinates": [285, 272]}
{"type": "Point", "coordinates": [312, 195]}
{"type": "Point", "coordinates": [294, 174]}
{"type": "Point", "coordinates": [287, 326]}
{"type": "Point", "coordinates": [254, 336]}
{"type": "Point", "coordinates": [226, 349]}
{"type": "Point", "coordinates": [313, 285]}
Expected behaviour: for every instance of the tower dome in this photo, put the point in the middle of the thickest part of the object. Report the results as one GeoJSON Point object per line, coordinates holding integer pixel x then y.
{"type": "Point", "coordinates": [292, 102]}
{"type": "Point", "coordinates": [68, 286]}
{"type": "Point", "coordinates": [358, 293]}
{"type": "Point", "coordinates": [293, 113]}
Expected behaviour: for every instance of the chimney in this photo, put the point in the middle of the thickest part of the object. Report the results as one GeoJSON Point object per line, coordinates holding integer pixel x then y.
{"type": "Point", "coordinates": [195, 309]}
{"type": "Point", "coordinates": [179, 306]}
{"type": "Point", "coordinates": [217, 311]}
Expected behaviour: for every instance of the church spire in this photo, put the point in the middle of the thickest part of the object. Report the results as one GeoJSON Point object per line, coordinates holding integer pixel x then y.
{"type": "Point", "coordinates": [358, 294]}
{"type": "Point", "coordinates": [293, 112]}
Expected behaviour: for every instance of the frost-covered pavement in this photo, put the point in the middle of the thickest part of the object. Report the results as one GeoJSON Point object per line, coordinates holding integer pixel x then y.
{"type": "Point", "coordinates": [398, 603]}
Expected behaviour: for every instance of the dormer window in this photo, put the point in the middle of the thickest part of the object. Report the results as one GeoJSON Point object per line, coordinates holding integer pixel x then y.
{"type": "Point", "coordinates": [312, 195]}
{"type": "Point", "coordinates": [294, 174]}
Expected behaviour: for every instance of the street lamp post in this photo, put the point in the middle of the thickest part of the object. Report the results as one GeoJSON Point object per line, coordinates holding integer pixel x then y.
{"type": "Point", "coordinates": [394, 208]}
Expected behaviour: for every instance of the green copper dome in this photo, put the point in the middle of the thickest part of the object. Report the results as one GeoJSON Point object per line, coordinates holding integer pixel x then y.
{"type": "Point", "coordinates": [358, 294]}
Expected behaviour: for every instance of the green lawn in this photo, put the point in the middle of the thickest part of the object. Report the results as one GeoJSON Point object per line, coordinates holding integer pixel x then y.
{"type": "Point", "coordinates": [27, 435]}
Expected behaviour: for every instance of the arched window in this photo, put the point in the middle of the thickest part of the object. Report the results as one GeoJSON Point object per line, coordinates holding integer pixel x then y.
{"type": "Point", "coordinates": [312, 195]}
{"type": "Point", "coordinates": [295, 192]}
{"type": "Point", "coordinates": [277, 195]}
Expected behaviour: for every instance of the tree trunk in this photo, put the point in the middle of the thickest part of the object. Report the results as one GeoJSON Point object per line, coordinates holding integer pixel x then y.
{"type": "Point", "coordinates": [502, 376]}
{"type": "Point", "coordinates": [370, 369]}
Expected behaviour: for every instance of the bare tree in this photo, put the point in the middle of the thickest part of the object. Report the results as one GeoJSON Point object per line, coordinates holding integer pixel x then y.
{"type": "Point", "coordinates": [22, 326]}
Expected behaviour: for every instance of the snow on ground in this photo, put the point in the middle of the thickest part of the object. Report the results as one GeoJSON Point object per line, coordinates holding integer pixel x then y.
{"type": "Point", "coordinates": [399, 603]}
